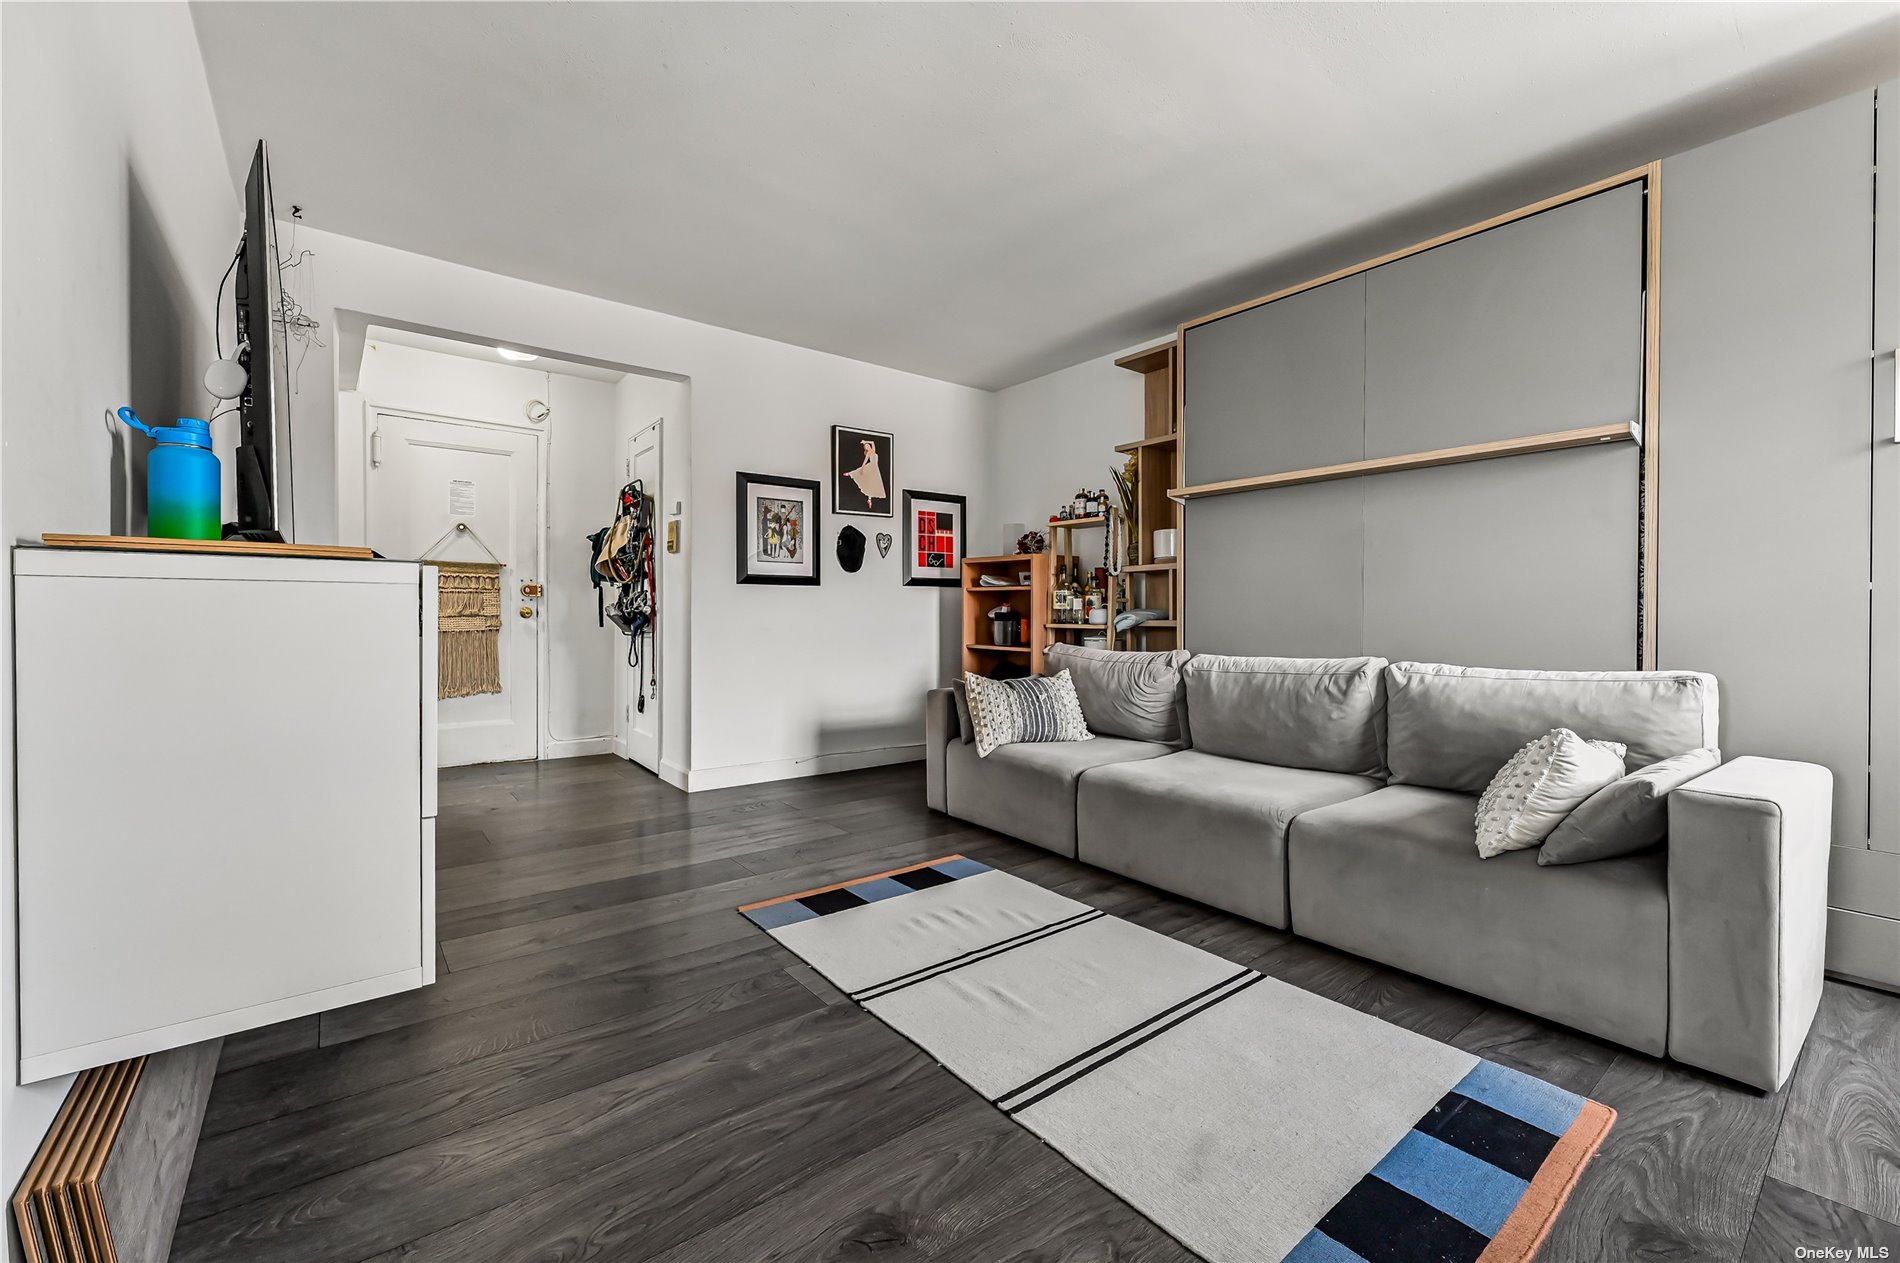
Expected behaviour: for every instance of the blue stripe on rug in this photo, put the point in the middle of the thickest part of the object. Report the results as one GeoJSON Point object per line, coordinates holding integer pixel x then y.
{"type": "Point", "coordinates": [1468, 1189]}
{"type": "Point", "coordinates": [881, 888]}
{"type": "Point", "coordinates": [962, 868]}
{"type": "Point", "coordinates": [1542, 1105]}
{"type": "Point", "coordinates": [773, 915]}
{"type": "Point", "coordinates": [1317, 1247]}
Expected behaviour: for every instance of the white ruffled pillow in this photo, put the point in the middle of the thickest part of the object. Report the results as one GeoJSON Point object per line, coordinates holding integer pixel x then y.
{"type": "Point", "coordinates": [1543, 783]}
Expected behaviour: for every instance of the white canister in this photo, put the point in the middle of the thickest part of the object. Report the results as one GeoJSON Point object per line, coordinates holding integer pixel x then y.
{"type": "Point", "coordinates": [1164, 544]}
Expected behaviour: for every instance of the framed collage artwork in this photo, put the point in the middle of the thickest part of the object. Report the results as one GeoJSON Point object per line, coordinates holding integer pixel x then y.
{"type": "Point", "coordinates": [777, 531]}
{"type": "Point", "coordinates": [933, 539]}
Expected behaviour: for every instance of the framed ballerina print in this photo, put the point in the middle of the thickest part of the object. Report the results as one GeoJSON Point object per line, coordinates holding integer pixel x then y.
{"type": "Point", "coordinates": [933, 539]}
{"type": "Point", "coordinates": [861, 475]}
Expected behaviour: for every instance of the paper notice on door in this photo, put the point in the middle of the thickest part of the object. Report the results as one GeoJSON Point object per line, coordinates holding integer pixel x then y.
{"type": "Point", "coordinates": [461, 497]}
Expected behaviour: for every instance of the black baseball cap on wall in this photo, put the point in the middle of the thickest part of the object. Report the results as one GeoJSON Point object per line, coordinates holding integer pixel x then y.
{"type": "Point", "coordinates": [851, 549]}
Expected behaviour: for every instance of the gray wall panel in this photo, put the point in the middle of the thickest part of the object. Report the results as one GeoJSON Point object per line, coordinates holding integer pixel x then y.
{"type": "Point", "coordinates": [1526, 562]}
{"type": "Point", "coordinates": [1524, 329]}
{"type": "Point", "coordinates": [1277, 572]}
{"type": "Point", "coordinates": [1884, 810]}
{"type": "Point", "coordinates": [1766, 387]}
{"type": "Point", "coordinates": [1279, 387]}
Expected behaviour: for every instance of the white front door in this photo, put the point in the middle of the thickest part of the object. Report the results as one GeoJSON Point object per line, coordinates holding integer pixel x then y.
{"type": "Point", "coordinates": [428, 475]}
{"type": "Point", "coordinates": [642, 710]}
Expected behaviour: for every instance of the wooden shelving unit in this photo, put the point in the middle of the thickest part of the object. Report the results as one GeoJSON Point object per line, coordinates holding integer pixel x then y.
{"type": "Point", "coordinates": [1155, 582]}
{"type": "Point", "coordinates": [1062, 548]}
{"type": "Point", "coordinates": [980, 654]}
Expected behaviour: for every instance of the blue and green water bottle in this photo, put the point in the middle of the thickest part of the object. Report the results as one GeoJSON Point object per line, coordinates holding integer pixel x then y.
{"type": "Point", "coordinates": [181, 479]}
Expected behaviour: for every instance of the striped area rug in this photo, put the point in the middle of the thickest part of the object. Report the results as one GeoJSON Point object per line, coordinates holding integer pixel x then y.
{"type": "Point", "coordinates": [1251, 1120]}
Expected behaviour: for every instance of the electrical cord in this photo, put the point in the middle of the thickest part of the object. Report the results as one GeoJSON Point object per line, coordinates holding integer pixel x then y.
{"type": "Point", "coordinates": [217, 316]}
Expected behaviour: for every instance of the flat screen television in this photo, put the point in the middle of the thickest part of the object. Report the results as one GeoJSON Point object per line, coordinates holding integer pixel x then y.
{"type": "Point", "coordinates": [263, 473]}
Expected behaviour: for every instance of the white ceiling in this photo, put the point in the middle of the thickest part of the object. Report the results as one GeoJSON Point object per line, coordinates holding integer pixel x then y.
{"type": "Point", "coordinates": [977, 192]}
{"type": "Point", "coordinates": [487, 354]}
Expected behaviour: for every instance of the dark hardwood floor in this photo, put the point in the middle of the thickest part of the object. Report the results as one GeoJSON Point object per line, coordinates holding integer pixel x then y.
{"type": "Point", "coordinates": [614, 1065]}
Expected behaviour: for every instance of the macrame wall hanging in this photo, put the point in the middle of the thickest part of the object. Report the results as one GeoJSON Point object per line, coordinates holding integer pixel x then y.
{"type": "Point", "coordinates": [468, 620]}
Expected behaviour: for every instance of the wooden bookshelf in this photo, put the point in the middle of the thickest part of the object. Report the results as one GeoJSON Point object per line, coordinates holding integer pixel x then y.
{"type": "Point", "coordinates": [1155, 582]}
{"type": "Point", "coordinates": [980, 654]}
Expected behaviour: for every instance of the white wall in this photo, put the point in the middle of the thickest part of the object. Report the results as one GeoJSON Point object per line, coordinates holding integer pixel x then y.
{"type": "Point", "coordinates": [117, 217]}
{"type": "Point", "coordinates": [639, 401]}
{"type": "Point", "coordinates": [581, 481]}
{"type": "Point", "coordinates": [785, 680]}
{"type": "Point", "coordinates": [1055, 434]}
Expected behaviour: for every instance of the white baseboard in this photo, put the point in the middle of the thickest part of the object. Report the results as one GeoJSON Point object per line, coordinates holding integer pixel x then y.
{"type": "Point", "coordinates": [578, 748]}
{"type": "Point", "coordinates": [791, 769]}
{"type": "Point", "coordinates": [673, 774]}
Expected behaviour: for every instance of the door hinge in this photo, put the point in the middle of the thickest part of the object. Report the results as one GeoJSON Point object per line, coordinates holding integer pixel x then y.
{"type": "Point", "coordinates": [376, 449]}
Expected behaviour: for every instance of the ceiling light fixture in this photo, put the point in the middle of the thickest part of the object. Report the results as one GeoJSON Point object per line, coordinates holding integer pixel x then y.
{"type": "Point", "coordinates": [519, 357]}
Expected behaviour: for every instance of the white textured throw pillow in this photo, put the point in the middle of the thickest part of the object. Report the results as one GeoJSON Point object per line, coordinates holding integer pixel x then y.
{"type": "Point", "coordinates": [1543, 783]}
{"type": "Point", "coordinates": [1038, 708]}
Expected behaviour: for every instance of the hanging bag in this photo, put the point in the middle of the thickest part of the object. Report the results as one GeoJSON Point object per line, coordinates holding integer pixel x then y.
{"type": "Point", "coordinates": [623, 555]}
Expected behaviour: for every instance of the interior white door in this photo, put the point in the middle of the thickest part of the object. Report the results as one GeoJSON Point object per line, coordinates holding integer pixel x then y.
{"type": "Point", "coordinates": [428, 475]}
{"type": "Point", "coordinates": [641, 714]}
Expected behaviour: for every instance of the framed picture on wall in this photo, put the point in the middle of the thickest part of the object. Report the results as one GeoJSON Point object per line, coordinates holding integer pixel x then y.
{"type": "Point", "coordinates": [777, 532]}
{"type": "Point", "coordinates": [860, 472]}
{"type": "Point", "coordinates": [933, 539]}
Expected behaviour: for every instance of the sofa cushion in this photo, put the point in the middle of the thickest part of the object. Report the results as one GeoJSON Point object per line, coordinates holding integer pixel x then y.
{"type": "Point", "coordinates": [1210, 828]}
{"type": "Point", "coordinates": [966, 728]}
{"type": "Point", "coordinates": [1321, 713]}
{"type": "Point", "coordinates": [1132, 695]}
{"type": "Point", "coordinates": [1395, 876]}
{"type": "Point", "coordinates": [1453, 727]}
{"type": "Point", "coordinates": [1028, 791]}
{"type": "Point", "coordinates": [1627, 815]}
{"type": "Point", "coordinates": [1540, 785]}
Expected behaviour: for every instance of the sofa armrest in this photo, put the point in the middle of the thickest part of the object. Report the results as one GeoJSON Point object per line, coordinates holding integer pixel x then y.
{"type": "Point", "coordinates": [940, 729]}
{"type": "Point", "coordinates": [1748, 851]}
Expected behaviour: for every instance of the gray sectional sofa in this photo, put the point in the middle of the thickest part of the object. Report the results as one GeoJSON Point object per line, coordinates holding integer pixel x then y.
{"type": "Point", "coordinates": [1335, 798]}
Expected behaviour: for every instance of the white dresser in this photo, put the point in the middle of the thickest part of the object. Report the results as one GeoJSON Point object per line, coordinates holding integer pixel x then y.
{"type": "Point", "coordinates": [226, 783]}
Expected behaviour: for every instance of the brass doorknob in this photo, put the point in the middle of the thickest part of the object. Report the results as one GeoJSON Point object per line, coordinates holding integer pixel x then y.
{"type": "Point", "coordinates": [527, 611]}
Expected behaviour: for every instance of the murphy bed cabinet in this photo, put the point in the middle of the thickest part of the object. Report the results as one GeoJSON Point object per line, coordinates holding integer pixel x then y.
{"type": "Point", "coordinates": [226, 785]}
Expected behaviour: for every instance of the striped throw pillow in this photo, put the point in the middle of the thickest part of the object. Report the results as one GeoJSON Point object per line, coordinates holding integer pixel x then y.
{"type": "Point", "coordinates": [1040, 708]}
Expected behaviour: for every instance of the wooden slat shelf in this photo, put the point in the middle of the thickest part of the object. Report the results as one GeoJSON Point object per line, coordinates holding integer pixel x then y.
{"type": "Point", "coordinates": [1150, 567]}
{"type": "Point", "coordinates": [997, 648]}
{"type": "Point", "coordinates": [998, 587]}
{"type": "Point", "coordinates": [1066, 523]}
{"type": "Point", "coordinates": [1159, 440]}
{"type": "Point", "coordinates": [1078, 627]}
{"type": "Point", "coordinates": [1154, 622]}
{"type": "Point", "coordinates": [1557, 440]}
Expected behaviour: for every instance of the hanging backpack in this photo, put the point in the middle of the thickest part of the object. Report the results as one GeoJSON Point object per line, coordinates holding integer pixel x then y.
{"type": "Point", "coordinates": [623, 555]}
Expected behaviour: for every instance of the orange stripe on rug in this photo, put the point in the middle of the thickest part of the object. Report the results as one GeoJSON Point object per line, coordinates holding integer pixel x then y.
{"type": "Point", "coordinates": [1518, 1240]}
{"type": "Point", "coordinates": [855, 881]}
